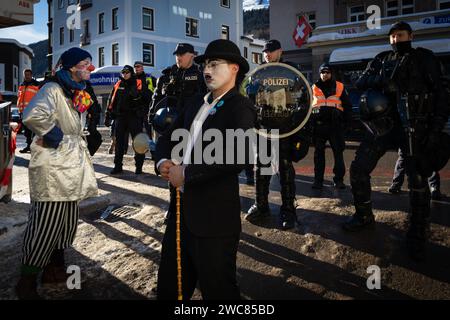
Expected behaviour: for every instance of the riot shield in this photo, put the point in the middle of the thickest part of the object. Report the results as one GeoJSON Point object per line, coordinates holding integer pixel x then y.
{"type": "Point", "coordinates": [282, 96]}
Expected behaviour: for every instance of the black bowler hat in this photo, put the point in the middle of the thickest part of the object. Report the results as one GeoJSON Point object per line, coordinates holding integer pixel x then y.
{"type": "Point", "coordinates": [224, 49]}
{"type": "Point", "coordinates": [400, 25]}
{"type": "Point", "coordinates": [182, 48]}
{"type": "Point", "coordinates": [272, 45]}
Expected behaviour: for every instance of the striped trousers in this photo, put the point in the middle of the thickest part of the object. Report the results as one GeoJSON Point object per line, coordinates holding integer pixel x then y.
{"type": "Point", "coordinates": [51, 225]}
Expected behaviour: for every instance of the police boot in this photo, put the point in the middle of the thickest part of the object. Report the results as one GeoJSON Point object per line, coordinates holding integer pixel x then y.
{"type": "Point", "coordinates": [417, 233]}
{"type": "Point", "coordinates": [26, 288]}
{"type": "Point", "coordinates": [116, 170]}
{"type": "Point", "coordinates": [287, 215]}
{"type": "Point", "coordinates": [395, 188]}
{"type": "Point", "coordinates": [55, 271]}
{"type": "Point", "coordinates": [260, 209]}
{"type": "Point", "coordinates": [363, 218]}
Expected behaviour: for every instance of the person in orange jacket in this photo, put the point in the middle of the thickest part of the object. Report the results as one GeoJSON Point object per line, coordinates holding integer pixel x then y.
{"type": "Point", "coordinates": [27, 90]}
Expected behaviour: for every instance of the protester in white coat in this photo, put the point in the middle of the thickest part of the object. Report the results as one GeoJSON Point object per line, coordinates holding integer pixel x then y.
{"type": "Point", "coordinates": [60, 171]}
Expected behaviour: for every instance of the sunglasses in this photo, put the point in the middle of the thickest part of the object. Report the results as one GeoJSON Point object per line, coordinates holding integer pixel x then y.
{"type": "Point", "coordinates": [125, 72]}
{"type": "Point", "coordinates": [325, 72]}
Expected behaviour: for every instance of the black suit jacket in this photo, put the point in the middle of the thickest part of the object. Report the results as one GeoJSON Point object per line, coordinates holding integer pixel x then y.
{"type": "Point", "coordinates": [210, 201]}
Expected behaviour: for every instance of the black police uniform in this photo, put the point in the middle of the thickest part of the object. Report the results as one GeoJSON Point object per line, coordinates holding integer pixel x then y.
{"type": "Point", "coordinates": [414, 73]}
{"type": "Point", "coordinates": [329, 125]}
{"type": "Point", "coordinates": [182, 87]}
{"type": "Point", "coordinates": [260, 209]}
{"type": "Point", "coordinates": [147, 95]}
{"type": "Point", "coordinates": [434, 181]}
{"type": "Point", "coordinates": [127, 112]}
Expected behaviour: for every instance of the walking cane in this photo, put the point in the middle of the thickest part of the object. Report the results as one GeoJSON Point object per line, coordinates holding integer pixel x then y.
{"type": "Point", "coordinates": [178, 232]}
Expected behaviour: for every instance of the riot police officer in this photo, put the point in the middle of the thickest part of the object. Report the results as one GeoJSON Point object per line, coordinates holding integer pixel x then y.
{"type": "Point", "coordinates": [126, 105]}
{"type": "Point", "coordinates": [405, 107]}
{"type": "Point", "coordinates": [181, 84]}
{"type": "Point", "coordinates": [287, 215]}
{"type": "Point", "coordinates": [331, 111]}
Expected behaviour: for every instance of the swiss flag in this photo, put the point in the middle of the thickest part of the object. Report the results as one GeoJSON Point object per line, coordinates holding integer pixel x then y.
{"type": "Point", "coordinates": [301, 31]}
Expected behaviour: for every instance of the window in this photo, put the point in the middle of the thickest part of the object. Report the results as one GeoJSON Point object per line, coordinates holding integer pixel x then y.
{"type": "Point", "coordinates": [61, 36]}
{"type": "Point", "coordinates": [407, 6]}
{"type": "Point", "coordinates": [225, 32]}
{"type": "Point", "coordinates": [357, 13]}
{"type": "Point", "coordinates": [115, 54]}
{"type": "Point", "coordinates": [70, 2]}
{"type": "Point", "coordinates": [192, 27]}
{"type": "Point", "coordinates": [245, 52]}
{"type": "Point", "coordinates": [397, 7]}
{"type": "Point", "coordinates": [392, 8]}
{"type": "Point", "coordinates": [310, 17]}
{"type": "Point", "coordinates": [444, 4]}
{"type": "Point", "coordinates": [148, 54]}
{"type": "Point", "coordinates": [71, 35]}
{"type": "Point", "coordinates": [60, 4]}
{"type": "Point", "coordinates": [115, 24]}
{"type": "Point", "coordinates": [101, 22]}
{"type": "Point", "coordinates": [101, 57]}
{"type": "Point", "coordinates": [147, 19]}
{"type": "Point", "coordinates": [86, 36]}
{"type": "Point", "coordinates": [225, 3]}
{"type": "Point", "coordinates": [256, 58]}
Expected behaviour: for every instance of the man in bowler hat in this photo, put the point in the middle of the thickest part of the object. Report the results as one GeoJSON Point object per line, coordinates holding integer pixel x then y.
{"type": "Point", "coordinates": [210, 203]}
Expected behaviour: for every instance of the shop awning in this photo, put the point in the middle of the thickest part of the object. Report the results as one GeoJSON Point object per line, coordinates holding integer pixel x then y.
{"type": "Point", "coordinates": [361, 53]}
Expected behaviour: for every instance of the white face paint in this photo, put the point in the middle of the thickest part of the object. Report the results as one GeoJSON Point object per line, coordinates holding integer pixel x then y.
{"type": "Point", "coordinates": [83, 69]}
{"type": "Point", "coordinates": [216, 73]}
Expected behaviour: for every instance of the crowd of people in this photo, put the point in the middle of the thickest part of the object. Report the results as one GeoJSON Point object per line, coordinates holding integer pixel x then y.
{"type": "Point", "coordinates": [201, 92]}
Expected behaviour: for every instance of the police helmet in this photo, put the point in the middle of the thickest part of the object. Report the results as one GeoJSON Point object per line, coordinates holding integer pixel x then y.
{"type": "Point", "coordinates": [163, 119]}
{"type": "Point", "coordinates": [374, 112]}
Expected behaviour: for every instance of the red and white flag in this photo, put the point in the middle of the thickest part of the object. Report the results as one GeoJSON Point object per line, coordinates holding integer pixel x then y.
{"type": "Point", "coordinates": [301, 31]}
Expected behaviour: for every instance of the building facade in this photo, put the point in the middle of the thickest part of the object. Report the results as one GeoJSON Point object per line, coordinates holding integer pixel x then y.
{"type": "Point", "coordinates": [252, 50]}
{"type": "Point", "coordinates": [119, 32]}
{"type": "Point", "coordinates": [14, 59]}
{"type": "Point", "coordinates": [342, 35]}
{"type": "Point", "coordinates": [318, 13]}
{"type": "Point", "coordinates": [16, 13]}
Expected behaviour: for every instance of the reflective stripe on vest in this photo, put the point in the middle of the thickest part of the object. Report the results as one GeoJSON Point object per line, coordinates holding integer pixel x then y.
{"type": "Point", "coordinates": [26, 93]}
{"type": "Point", "coordinates": [116, 87]}
{"type": "Point", "coordinates": [333, 101]}
{"type": "Point", "coordinates": [150, 85]}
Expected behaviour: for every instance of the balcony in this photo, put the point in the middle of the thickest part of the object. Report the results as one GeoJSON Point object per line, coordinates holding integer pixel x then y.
{"type": "Point", "coordinates": [84, 4]}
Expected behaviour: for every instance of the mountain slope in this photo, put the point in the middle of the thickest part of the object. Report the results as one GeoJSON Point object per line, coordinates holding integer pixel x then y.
{"type": "Point", "coordinates": [39, 62]}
